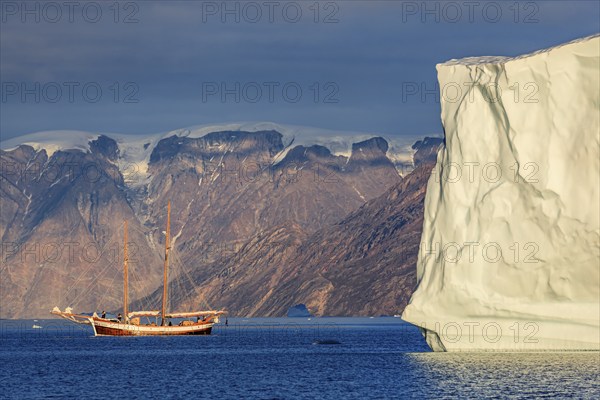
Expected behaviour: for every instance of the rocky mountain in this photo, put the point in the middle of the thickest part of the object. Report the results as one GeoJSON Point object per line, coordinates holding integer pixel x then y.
{"type": "Point", "coordinates": [363, 264]}
{"type": "Point", "coordinates": [62, 234]}
{"type": "Point", "coordinates": [231, 185]}
{"type": "Point", "coordinates": [233, 193]}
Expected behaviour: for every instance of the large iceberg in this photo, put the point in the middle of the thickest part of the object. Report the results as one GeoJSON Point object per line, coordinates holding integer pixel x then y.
{"type": "Point", "coordinates": [510, 250]}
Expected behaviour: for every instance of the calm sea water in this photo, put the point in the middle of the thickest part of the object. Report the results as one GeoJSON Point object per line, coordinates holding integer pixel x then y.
{"type": "Point", "coordinates": [276, 359]}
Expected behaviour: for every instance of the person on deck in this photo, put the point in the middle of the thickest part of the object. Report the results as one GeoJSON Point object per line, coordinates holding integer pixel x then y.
{"type": "Point", "coordinates": [119, 317]}
{"type": "Point", "coordinates": [104, 314]}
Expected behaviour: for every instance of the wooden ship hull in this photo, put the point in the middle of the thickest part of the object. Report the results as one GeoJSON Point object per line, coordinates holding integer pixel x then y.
{"type": "Point", "coordinates": [113, 327]}
{"type": "Point", "coordinates": [109, 328]}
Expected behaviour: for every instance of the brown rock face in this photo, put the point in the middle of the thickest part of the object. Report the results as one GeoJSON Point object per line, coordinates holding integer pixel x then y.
{"type": "Point", "coordinates": [228, 188]}
{"type": "Point", "coordinates": [62, 234]}
{"type": "Point", "coordinates": [241, 203]}
{"type": "Point", "coordinates": [364, 264]}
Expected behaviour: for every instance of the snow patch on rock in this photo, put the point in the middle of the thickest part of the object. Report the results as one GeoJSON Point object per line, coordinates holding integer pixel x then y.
{"type": "Point", "coordinates": [53, 141]}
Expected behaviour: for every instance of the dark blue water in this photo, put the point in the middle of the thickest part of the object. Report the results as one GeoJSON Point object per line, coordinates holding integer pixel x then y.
{"type": "Point", "coordinates": [276, 359]}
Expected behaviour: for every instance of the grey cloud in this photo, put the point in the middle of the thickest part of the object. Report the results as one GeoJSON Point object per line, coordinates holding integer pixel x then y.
{"type": "Point", "coordinates": [369, 54]}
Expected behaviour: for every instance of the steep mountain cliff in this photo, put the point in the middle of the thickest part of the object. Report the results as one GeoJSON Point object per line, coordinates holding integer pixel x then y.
{"type": "Point", "coordinates": [229, 188]}
{"type": "Point", "coordinates": [64, 198]}
{"type": "Point", "coordinates": [62, 234]}
{"type": "Point", "coordinates": [364, 264]}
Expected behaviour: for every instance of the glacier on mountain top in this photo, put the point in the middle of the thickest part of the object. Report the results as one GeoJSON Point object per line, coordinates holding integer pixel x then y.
{"type": "Point", "coordinates": [510, 250]}
{"type": "Point", "coordinates": [135, 149]}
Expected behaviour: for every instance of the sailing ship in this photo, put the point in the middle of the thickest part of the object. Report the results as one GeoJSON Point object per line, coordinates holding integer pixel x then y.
{"type": "Point", "coordinates": [129, 324]}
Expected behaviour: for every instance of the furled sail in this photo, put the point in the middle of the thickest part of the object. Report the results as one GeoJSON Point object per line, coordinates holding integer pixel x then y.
{"type": "Point", "coordinates": [134, 314]}
{"type": "Point", "coordinates": [194, 314]}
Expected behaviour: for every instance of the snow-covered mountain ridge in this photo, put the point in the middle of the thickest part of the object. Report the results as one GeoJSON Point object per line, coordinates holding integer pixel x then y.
{"type": "Point", "coordinates": [135, 149]}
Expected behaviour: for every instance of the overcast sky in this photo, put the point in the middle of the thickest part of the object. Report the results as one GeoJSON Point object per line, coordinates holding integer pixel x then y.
{"type": "Point", "coordinates": [343, 65]}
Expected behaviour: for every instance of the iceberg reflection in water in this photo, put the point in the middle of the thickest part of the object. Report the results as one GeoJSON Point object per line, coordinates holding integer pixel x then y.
{"type": "Point", "coordinates": [514, 375]}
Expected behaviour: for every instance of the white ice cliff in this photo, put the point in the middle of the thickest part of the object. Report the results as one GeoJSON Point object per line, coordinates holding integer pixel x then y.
{"type": "Point", "coordinates": [510, 250]}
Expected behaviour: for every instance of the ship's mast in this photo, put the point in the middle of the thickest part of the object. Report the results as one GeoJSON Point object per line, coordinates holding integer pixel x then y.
{"type": "Point", "coordinates": [125, 276]}
{"type": "Point", "coordinates": [167, 247]}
